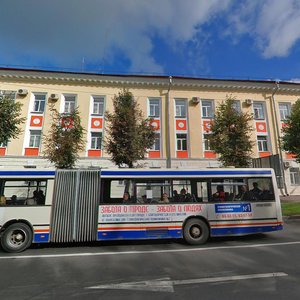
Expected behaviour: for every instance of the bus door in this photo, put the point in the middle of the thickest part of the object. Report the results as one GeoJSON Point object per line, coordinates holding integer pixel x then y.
{"type": "Point", "coordinates": [75, 206]}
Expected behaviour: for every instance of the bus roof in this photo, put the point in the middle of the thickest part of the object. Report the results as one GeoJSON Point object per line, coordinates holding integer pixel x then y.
{"type": "Point", "coordinates": [144, 173]}
{"type": "Point", "coordinates": [121, 173]}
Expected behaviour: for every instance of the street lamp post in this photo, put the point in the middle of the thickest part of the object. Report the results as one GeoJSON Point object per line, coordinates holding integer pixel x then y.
{"type": "Point", "coordinates": [277, 138]}
{"type": "Point", "coordinates": [168, 139]}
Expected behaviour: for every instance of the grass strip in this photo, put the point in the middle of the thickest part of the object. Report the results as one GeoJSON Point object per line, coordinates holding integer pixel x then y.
{"type": "Point", "coordinates": [290, 209]}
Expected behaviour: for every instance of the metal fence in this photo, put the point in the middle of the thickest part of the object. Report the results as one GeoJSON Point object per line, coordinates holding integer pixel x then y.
{"type": "Point", "coordinates": [272, 161]}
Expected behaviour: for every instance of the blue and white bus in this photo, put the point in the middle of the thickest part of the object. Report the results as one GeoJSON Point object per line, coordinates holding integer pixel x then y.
{"type": "Point", "coordinates": [41, 205]}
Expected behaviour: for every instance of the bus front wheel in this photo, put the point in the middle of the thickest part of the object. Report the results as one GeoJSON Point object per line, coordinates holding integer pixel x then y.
{"type": "Point", "coordinates": [195, 232]}
{"type": "Point", "coordinates": [16, 238]}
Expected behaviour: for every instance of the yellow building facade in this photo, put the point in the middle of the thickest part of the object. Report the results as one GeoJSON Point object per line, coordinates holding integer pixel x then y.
{"type": "Point", "coordinates": [181, 108]}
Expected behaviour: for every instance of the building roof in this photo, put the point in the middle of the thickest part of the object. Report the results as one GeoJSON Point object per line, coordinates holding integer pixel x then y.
{"type": "Point", "coordinates": [148, 80]}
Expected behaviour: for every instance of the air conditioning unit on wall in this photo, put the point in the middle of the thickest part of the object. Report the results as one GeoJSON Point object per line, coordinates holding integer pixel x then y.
{"type": "Point", "coordinates": [195, 100]}
{"type": "Point", "coordinates": [248, 102]}
{"type": "Point", "coordinates": [286, 164]}
{"type": "Point", "coordinates": [22, 92]}
{"type": "Point", "coordinates": [54, 97]}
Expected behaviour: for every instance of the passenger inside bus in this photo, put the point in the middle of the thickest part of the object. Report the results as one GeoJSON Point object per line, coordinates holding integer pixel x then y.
{"type": "Point", "coordinates": [175, 196]}
{"type": "Point", "coordinates": [184, 196]}
{"type": "Point", "coordinates": [40, 198]}
{"type": "Point", "coordinates": [13, 200]}
{"type": "Point", "coordinates": [219, 195]}
{"type": "Point", "coordinates": [127, 199]}
{"type": "Point", "coordinates": [164, 198]}
{"type": "Point", "coordinates": [256, 191]}
{"type": "Point", "coordinates": [33, 199]}
{"type": "Point", "coordinates": [244, 194]}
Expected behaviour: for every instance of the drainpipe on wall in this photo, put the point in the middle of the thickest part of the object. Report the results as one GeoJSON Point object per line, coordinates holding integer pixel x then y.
{"type": "Point", "coordinates": [168, 139]}
{"type": "Point", "coordinates": [278, 141]}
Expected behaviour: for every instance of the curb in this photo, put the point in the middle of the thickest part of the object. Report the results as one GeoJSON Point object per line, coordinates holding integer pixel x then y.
{"type": "Point", "coordinates": [294, 217]}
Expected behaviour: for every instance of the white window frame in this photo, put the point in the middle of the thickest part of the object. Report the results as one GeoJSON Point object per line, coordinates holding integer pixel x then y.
{"type": "Point", "coordinates": [8, 93]}
{"type": "Point", "coordinates": [154, 107]}
{"type": "Point", "coordinates": [96, 137]}
{"type": "Point", "coordinates": [237, 105]}
{"type": "Point", "coordinates": [180, 108]}
{"type": "Point", "coordinates": [258, 111]}
{"type": "Point", "coordinates": [35, 138]}
{"type": "Point", "coordinates": [156, 145]}
{"type": "Point", "coordinates": [206, 143]}
{"type": "Point", "coordinates": [98, 105]}
{"type": "Point", "coordinates": [69, 104]}
{"type": "Point", "coordinates": [207, 109]}
{"type": "Point", "coordinates": [41, 103]}
{"type": "Point", "coordinates": [284, 110]}
{"type": "Point", "coordinates": [294, 176]}
{"type": "Point", "coordinates": [181, 141]}
{"type": "Point", "coordinates": [262, 143]}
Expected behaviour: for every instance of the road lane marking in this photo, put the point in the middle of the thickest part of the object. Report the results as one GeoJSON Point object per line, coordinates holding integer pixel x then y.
{"type": "Point", "coordinates": [163, 251]}
{"type": "Point", "coordinates": [167, 285]}
{"type": "Point", "coordinates": [157, 285]}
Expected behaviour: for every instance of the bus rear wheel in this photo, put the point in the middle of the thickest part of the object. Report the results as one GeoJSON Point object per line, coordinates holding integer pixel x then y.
{"type": "Point", "coordinates": [16, 238]}
{"type": "Point", "coordinates": [195, 232]}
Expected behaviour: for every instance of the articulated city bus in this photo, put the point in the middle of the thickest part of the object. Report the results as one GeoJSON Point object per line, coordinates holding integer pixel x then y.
{"type": "Point", "coordinates": [41, 205]}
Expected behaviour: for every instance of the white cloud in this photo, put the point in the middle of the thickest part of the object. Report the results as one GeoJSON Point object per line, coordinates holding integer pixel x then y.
{"type": "Point", "coordinates": [64, 31]}
{"type": "Point", "coordinates": [273, 24]}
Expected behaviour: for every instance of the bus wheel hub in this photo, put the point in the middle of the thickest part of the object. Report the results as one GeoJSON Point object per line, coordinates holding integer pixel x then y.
{"type": "Point", "coordinates": [17, 238]}
{"type": "Point", "coordinates": [195, 232]}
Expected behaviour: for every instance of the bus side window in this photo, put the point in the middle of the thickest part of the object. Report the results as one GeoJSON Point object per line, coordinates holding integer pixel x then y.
{"type": "Point", "coordinates": [19, 191]}
{"type": "Point", "coordinates": [262, 189]}
{"type": "Point", "coordinates": [150, 191]}
{"type": "Point", "coordinates": [112, 191]}
{"type": "Point", "coordinates": [182, 191]}
{"type": "Point", "coordinates": [202, 191]}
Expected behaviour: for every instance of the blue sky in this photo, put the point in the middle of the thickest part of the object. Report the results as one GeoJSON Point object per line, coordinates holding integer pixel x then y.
{"type": "Point", "coordinates": [241, 39]}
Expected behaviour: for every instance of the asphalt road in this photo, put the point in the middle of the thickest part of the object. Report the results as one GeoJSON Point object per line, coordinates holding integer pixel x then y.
{"type": "Point", "coordinates": [265, 266]}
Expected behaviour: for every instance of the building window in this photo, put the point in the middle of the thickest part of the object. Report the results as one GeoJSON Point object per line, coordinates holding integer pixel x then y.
{"type": "Point", "coordinates": [69, 104]}
{"type": "Point", "coordinates": [180, 108]}
{"type": "Point", "coordinates": [156, 145]}
{"type": "Point", "coordinates": [98, 106]}
{"type": "Point", "coordinates": [7, 93]}
{"type": "Point", "coordinates": [258, 111]}
{"type": "Point", "coordinates": [96, 140]}
{"type": "Point", "coordinates": [39, 103]}
{"type": "Point", "coordinates": [236, 105]}
{"type": "Point", "coordinates": [154, 107]}
{"type": "Point", "coordinates": [294, 176]}
{"type": "Point", "coordinates": [206, 142]}
{"type": "Point", "coordinates": [207, 109]}
{"type": "Point", "coordinates": [284, 110]}
{"type": "Point", "coordinates": [262, 143]}
{"type": "Point", "coordinates": [181, 142]}
{"type": "Point", "coordinates": [35, 138]}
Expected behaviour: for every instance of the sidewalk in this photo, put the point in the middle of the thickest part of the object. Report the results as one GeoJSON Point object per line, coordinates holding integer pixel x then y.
{"type": "Point", "coordinates": [291, 198]}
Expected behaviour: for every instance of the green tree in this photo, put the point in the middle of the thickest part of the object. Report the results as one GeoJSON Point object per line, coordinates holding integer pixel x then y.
{"type": "Point", "coordinates": [129, 133]}
{"type": "Point", "coordinates": [10, 112]}
{"type": "Point", "coordinates": [230, 136]}
{"type": "Point", "coordinates": [64, 140]}
{"type": "Point", "coordinates": [291, 132]}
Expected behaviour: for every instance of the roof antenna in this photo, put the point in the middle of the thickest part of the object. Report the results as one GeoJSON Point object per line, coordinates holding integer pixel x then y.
{"type": "Point", "coordinates": [82, 64]}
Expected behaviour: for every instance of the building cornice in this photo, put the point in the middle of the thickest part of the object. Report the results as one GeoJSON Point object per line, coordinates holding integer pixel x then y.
{"type": "Point", "coordinates": [145, 81]}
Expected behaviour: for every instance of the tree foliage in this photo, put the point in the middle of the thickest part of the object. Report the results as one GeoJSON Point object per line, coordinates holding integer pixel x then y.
{"type": "Point", "coordinates": [291, 132]}
{"type": "Point", "coordinates": [64, 140]}
{"type": "Point", "coordinates": [10, 112]}
{"type": "Point", "coordinates": [129, 133]}
{"type": "Point", "coordinates": [230, 136]}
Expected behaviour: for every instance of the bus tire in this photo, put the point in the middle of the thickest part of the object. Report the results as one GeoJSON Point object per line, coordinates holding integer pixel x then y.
{"type": "Point", "coordinates": [16, 238]}
{"type": "Point", "coordinates": [195, 232]}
